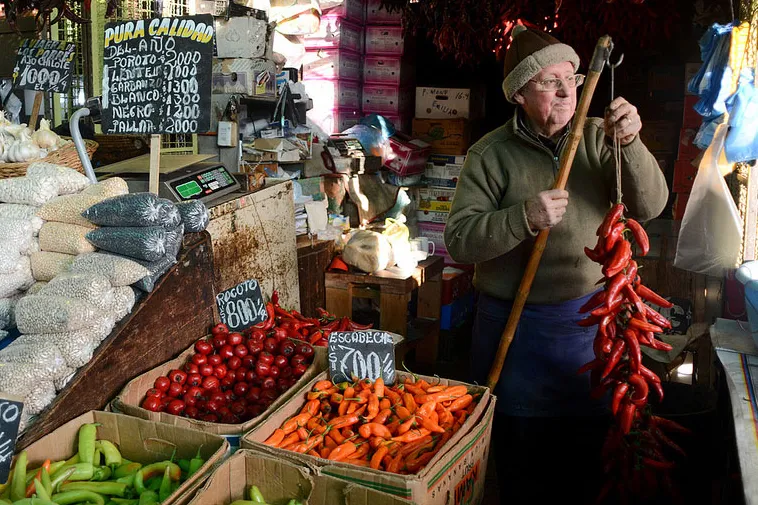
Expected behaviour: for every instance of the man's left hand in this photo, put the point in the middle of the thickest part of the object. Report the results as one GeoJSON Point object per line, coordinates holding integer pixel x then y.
{"type": "Point", "coordinates": [622, 117]}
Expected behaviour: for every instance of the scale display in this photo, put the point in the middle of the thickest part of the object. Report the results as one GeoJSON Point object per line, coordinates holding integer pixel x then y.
{"type": "Point", "coordinates": [191, 184]}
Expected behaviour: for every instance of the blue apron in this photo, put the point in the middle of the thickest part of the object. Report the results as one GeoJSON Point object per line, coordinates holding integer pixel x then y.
{"type": "Point", "coordinates": [539, 376]}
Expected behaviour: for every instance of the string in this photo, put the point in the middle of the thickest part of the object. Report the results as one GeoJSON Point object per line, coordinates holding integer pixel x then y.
{"type": "Point", "coordinates": [616, 143]}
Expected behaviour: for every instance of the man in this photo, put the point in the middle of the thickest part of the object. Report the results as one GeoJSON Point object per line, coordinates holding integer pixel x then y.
{"type": "Point", "coordinates": [547, 429]}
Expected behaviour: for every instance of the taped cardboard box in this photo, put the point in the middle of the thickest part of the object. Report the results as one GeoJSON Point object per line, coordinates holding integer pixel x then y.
{"type": "Point", "coordinates": [138, 440]}
{"type": "Point", "coordinates": [376, 15]}
{"type": "Point", "coordinates": [243, 37]}
{"type": "Point", "coordinates": [454, 475]}
{"type": "Point", "coordinates": [332, 64]}
{"type": "Point", "coordinates": [130, 398]}
{"type": "Point", "coordinates": [449, 103]}
{"type": "Point", "coordinates": [428, 216]}
{"type": "Point", "coordinates": [443, 194]}
{"type": "Point", "coordinates": [337, 33]}
{"type": "Point", "coordinates": [446, 136]}
{"type": "Point", "coordinates": [252, 77]}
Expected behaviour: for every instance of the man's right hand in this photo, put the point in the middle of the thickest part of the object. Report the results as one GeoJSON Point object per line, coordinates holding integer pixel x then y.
{"type": "Point", "coordinates": [546, 209]}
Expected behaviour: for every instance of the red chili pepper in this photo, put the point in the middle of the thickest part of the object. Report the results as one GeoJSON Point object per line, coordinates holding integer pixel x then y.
{"type": "Point", "coordinates": [614, 236]}
{"type": "Point", "coordinates": [355, 326]}
{"type": "Point", "coordinates": [597, 257]}
{"type": "Point", "coordinates": [611, 218]}
{"type": "Point", "coordinates": [622, 253]}
{"type": "Point", "coordinates": [316, 336]}
{"type": "Point", "coordinates": [670, 426]}
{"type": "Point", "coordinates": [658, 390]}
{"type": "Point", "coordinates": [659, 345]}
{"type": "Point", "coordinates": [648, 374]}
{"type": "Point", "coordinates": [588, 321]}
{"type": "Point", "coordinates": [618, 395]}
{"type": "Point", "coordinates": [640, 236]}
{"type": "Point", "coordinates": [275, 298]}
{"type": "Point", "coordinates": [635, 355]}
{"type": "Point", "coordinates": [631, 272]}
{"type": "Point", "coordinates": [605, 310]}
{"type": "Point", "coordinates": [616, 352]}
{"type": "Point", "coordinates": [638, 383]}
{"type": "Point", "coordinates": [280, 312]}
{"type": "Point", "coordinates": [614, 287]}
{"type": "Point", "coordinates": [660, 465]}
{"type": "Point", "coordinates": [599, 391]}
{"type": "Point", "coordinates": [270, 320]}
{"type": "Point", "coordinates": [657, 317]}
{"type": "Point", "coordinates": [634, 322]}
{"type": "Point", "coordinates": [599, 345]}
{"type": "Point", "coordinates": [595, 364]}
{"type": "Point", "coordinates": [666, 440]}
{"type": "Point", "coordinates": [634, 298]}
{"type": "Point", "coordinates": [626, 417]}
{"type": "Point", "coordinates": [653, 297]}
{"type": "Point", "coordinates": [593, 302]}
{"type": "Point", "coordinates": [331, 326]}
{"type": "Point", "coordinates": [344, 324]}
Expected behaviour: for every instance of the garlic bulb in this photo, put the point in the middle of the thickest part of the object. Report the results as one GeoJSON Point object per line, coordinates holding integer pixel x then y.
{"type": "Point", "coordinates": [45, 138]}
{"type": "Point", "coordinates": [17, 129]}
{"type": "Point", "coordinates": [23, 149]}
{"type": "Point", "coordinates": [3, 120]}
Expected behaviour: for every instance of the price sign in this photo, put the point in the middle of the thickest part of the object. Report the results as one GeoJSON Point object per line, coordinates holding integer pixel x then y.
{"type": "Point", "coordinates": [10, 417]}
{"type": "Point", "coordinates": [44, 65]}
{"type": "Point", "coordinates": [157, 75]}
{"type": "Point", "coordinates": [241, 306]}
{"type": "Point", "coordinates": [367, 354]}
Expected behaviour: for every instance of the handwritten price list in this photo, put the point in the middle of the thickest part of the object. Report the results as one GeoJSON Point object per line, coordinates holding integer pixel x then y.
{"type": "Point", "coordinates": [361, 354]}
{"type": "Point", "coordinates": [157, 75]}
{"type": "Point", "coordinates": [241, 306]}
{"type": "Point", "coordinates": [44, 65]}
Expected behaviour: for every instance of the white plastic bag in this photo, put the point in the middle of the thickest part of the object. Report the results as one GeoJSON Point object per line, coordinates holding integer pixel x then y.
{"type": "Point", "coordinates": [710, 237]}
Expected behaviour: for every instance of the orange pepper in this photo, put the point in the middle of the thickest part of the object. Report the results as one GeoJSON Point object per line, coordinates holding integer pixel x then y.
{"type": "Point", "coordinates": [402, 412]}
{"type": "Point", "coordinates": [379, 387]}
{"type": "Point", "coordinates": [394, 466]}
{"type": "Point", "coordinates": [295, 422]}
{"type": "Point", "coordinates": [313, 453]}
{"type": "Point", "coordinates": [322, 385]}
{"type": "Point", "coordinates": [461, 403]}
{"type": "Point", "coordinates": [302, 433]}
{"type": "Point", "coordinates": [373, 407]}
{"type": "Point", "coordinates": [276, 438]}
{"type": "Point", "coordinates": [311, 407]}
{"type": "Point", "coordinates": [414, 465]}
{"type": "Point", "coordinates": [361, 452]}
{"type": "Point", "coordinates": [357, 462]}
{"type": "Point", "coordinates": [376, 459]}
{"type": "Point", "coordinates": [394, 398]}
{"type": "Point", "coordinates": [329, 442]}
{"type": "Point", "coordinates": [412, 435]}
{"type": "Point", "coordinates": [374, 429]}
{"type": "Point", "coordinates": [343, 421]}
{"type": "Point", "coordinates": [325, 451]}
{"type": "Point", "coordinates": [407, 449]}
{"type": "Point", "coordinates": [342, 451]}
{"type": "Point", "coordinates": [384, 403]}
{"type": "Point", "coordinates": [426, 409]}
{"type": "Point", "coordinates": [430, 425]}
{"type": "Point", "coordinates": [344, 405]}
{"type": "Point", "coordinates": [413, 389]}
{"type": "Point", "coordinates": [393, 426]}
{"type": "Point", "coordinates": [406, 426]}
{"type": "Point", "coordinates": [423, 385]}
{"type": "Point", "coordinates": [382, 416]}
{"type": "Point", "coordinates": [376, 442]}
{"type": "Point", "coordinates": [32, 488]}
{"type": "Point", "coordinates": [409, 402]}
{"type": "Point", "coordinates": [435, 389]}
{"type": "Point", "coordinates": [337, 436]}
{"type": "Point", "coordinates": [290, 439]}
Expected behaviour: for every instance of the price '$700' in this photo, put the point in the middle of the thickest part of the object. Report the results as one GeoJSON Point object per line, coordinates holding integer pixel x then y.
{"type": "Point", "coordinates": [362, 355]}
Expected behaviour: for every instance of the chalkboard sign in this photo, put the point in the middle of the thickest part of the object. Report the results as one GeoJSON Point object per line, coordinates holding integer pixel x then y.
{"type": "Point", "coordinates": [241, 306]}
{"type": "Point", "coordinates": [10, 417]}
{"type": "Point", "coordinates": [368, 354]}
{"type": "Point", "coordinates": [157, 75]}
{"type": "Point", "coordinates": [44, 65]}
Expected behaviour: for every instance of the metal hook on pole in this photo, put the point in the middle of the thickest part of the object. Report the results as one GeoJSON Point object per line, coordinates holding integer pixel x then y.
{"type": "Point", "coordinates": [613, 67]}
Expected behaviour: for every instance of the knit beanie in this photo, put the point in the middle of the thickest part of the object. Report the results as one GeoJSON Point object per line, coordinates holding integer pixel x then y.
{"type": "Point", "coordinates": [530, 52]}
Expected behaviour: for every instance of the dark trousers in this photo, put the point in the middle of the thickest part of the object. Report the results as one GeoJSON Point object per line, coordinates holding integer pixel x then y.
{"type": "Point", "coordinates": [548, 459]}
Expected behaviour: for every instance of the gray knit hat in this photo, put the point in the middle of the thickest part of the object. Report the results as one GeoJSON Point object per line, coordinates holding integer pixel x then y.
{"type": "Point", "coordinates": [530, 52]}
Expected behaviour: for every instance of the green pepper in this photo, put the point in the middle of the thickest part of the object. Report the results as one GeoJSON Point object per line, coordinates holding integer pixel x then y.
{"type": "Point", "coordinates": [195, 464]}
{"type": "Point", "coordinates": [111, 452]}
{"type": "Point", "coordinates": [82, 471]}
{"type": "Point", "coordinates": [87, 438]}
{"type": "Point", "coordinates": [102, 473]}
{"type": "Point", "coordinates": [139, 483]}
{"type": "Point", "coordinates": [61, 476]}
{"type": "Point", "coordinates": [34, 501]}
{"type": "Point", "coordinates": [71, 497]}
{"type": "Point", "coordinates": [106, 488]}
{"type": "Point", "coordinates": [126, 469]}
{"type": "Point", "coordinates": [54, 467]}
{"type": "Point", "coordinates": [3, 501]}
{"type": "Point", "coordinates": [154, 484]}
{"type": "Point", "coordinates": [184, 465]}
{"type": "Point", "coordinates": [156, 469]}
{"type": "Point", "coordinates": [40, 490]}
{"type": "Point", "coordinates": [126, 501]}
{"type": "Point", "coordinates": [18, 484]}
{"type": "Point", "coordinates": [148, 498]}
{"type": "Point", "coordinates": [46, 482]}
{"type": "Point", "coordinates": [98, 456]}
{"type": "Point", "coordinates": [165, 490]}
{"type": "Point", "coordinates": [255, 495]}
{"type": "Point", "coordinates": [128, 480]}
{"type": "Point", "coordinates": [294, 502]}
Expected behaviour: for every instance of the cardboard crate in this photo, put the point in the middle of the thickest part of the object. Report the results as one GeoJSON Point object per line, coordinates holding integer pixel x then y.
{"type": "Point", "coordinates": [375, 15]}
{"type": "Point", "coordinates": [138, 440]}
{"type": "Point", "coordinates": [454, 475]}
{"type": "Point", "coordinates": [428, 216]}
{"type": "Point", "coordinates": [449, 103]}
{"type": "Point", "coordinates": [408, 155]}
{"type": "Point", "coordinates": [243, 37]}
{"type": "Point", "coordinates": [386, 99]}
{"type": "Point", "coordinates": [386, 40]}
{"type": "Point", "coordinates": [332, 64]}
{"type": "Point", "coordinates": [252, 77]}
{"type": "Point", "coordinates": [130, 398]}
{"type": "Point", "coordinates": [443, 194]}
{"type": "Point", "coordinates": [354, 10]}
{"type": "Point", "coordinates": [330, 94]}
{"type": "Point", "coordinates": [335, 32]}
{"type": "Point", "coordinates": [446, 136]}
{"type": "Point", "coordinates": [435, 205]}
{"type": "Point", "coordinates": [334, 120]}
{"type": "Point", "coordinates": [388, 70]}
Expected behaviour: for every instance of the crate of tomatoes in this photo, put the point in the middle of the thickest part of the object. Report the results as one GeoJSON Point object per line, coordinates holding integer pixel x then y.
{"type": "Point", "coordinates": [421, 439]}
{"type": "Point", "coordinates": [225, 382]}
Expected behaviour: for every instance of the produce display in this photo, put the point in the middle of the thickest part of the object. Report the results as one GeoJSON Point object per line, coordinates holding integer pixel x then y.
{"type": "Point", "coordinates": [638, 446]}
{"type": "Point", "coordinates": [232, 377]}
{"type": "Point", "coordinates": [256, 497]}
{"type": "Point", "coordinates": [97, 474]}
{"type": "Point", "coordinates": [19, 144]}
{"type": "Point", "coordinates": [395, 428]}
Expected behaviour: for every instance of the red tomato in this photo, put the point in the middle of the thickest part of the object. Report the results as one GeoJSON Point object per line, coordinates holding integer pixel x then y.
{"type": "Point", "coordinates": [248, 361]}
{"type": "Point", "coordinates": [162, 383]}
{"type": "Point", "coordinates": [231, 374]}
{"type": "Point", "coordinates": [266, 357]}
{"type": "Point", "coordinates": [176, 407]}
{"type": "Point", "coordinates": [282, 385]}
{"type": "Point", "coordinates": [238, 408]}
{"type": "Point", "coordinates": [220, 371]}
{"type": "Point", "coordinates": [274, 372]}
{"type": "Point", "coordinates": [211, 406]}
{"type": "Point", "coordinates": [269, 383]}
{"type": "Point", "coordinates": [240, 389]}
{"type": "Point", "coordinates": [195, 391]}
{"type": "Point", "coordinates": [203, 347]}
{"type": "Point", "coordinates": [191, 368]}
{"type": "Point", "coordinates": [253, 394]}
{"type": "Point", "coordinates": [220, 328]}
{"type": "Point", "coordinates": [252, 377]}
{"type": "Point", "coordinates": [269, 394]}
{"type": "Point", "coordinates": [280, 334]}
{"type": "Point", "coordinates": [299, 370]}
{"type": "Point", "coordinates": [194, 379]}
{"type": "Point", "coordinates": [199, 359]}
{"type": "Point", "coordinates": [229, 396]}
{"type": "Point", "coordinates": [257, 335]}
{"type": "Point", "coordinates": [297, 359]}
{"type": "Point", "coordinates": [175, 390]}
{"type": "Point", "coordinates": [224, 411]}
{"type": "Point", "coordinates": [191, 412]}
{"type": "Point", "coordinates": [211, 382]}
{"type": "Point", "coordinates": [262, 369]}
{"type": "Point", "coordinates": [152, 404]}
{"type": "Point", "coordinates": [177, 376]}
{"type": "Point", "coordinates": [215, 360]}
{"type": "Point", "coordinates": [285, 372]}
{"type": "Point", "coordinates": [281, 361]}
{"type": "Point", "coordinates": [255, 348]}
{"type": "Point", "coordinates": [234, 362]}
{"type": "Point", "coordinates": [219, 341]}
{"type": "Point", "coordinates": [240, 351]}
{"type": "Point", "coordinates": [227, 382]}
{"type": "Point", "coordinates": [304, 349]}
{"type": "Point", "coordinates": [234, 339]}
{"type": "Point", "coordinates": [189, 400]}
{"type": "Point", "coordinates": [255, 411]}
{"type": "Point", "coordinates": [218, 397]}
{"type": "Point", "coordinates": [270, 345]}
{"type": "Point", "coordinates": [154, 392]}
{"type": "Point", "coordinates": [206, 370]}
{"type": "Point", "coordinates": [210, 418]}
{"type": "Point", "coordinates": [286, 348]}
{"type": "Point", "coordinates": [226, 352]}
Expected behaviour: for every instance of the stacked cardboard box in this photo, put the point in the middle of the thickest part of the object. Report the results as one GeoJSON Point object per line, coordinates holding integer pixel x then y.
{"type": "Point", "coordinates": [332, 69]}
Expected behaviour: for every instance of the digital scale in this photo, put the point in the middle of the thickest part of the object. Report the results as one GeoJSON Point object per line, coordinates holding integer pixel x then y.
{"type": "Point", "coordinates": [182, 177]}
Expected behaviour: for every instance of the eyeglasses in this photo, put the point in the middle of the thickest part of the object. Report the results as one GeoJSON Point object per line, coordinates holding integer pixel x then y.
{"type": "Point", "coordinates": [555, 84]}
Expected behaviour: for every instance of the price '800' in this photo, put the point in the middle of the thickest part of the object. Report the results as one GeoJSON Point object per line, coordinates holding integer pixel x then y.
{"type": "Point", "coordinates": [242, 312]}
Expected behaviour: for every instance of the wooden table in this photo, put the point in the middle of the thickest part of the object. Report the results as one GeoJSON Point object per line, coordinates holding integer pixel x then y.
{"type": "Point", "coordinates": [394, 291]}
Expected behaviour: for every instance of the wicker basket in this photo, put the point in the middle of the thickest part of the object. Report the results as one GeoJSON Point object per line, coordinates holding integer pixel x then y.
{"type": "Point", "coordinates": [66, 156]}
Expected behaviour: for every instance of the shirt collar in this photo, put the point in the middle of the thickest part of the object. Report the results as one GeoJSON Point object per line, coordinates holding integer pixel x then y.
{"type": "Point", "coordinates": [521, 125]}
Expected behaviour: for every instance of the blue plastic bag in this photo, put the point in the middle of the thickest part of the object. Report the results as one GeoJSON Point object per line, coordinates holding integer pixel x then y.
{"type": "Point", "coordinates": [742, 140]}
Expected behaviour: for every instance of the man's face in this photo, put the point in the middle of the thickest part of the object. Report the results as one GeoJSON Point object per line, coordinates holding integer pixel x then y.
{"type": "Point", "coordinates": [549, 110]}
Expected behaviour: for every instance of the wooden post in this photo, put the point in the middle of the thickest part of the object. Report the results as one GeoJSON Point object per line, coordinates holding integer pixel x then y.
{"type": "Point", "coordinates": [35, 110]}
{"type": "Point", "coordinates": [155, 163]}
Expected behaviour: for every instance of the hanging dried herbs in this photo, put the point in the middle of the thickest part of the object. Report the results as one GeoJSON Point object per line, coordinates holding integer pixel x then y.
{"type": "Point", "coordinates": [48, 11]}
{"type": "Point", "coordinates": [467, 30]}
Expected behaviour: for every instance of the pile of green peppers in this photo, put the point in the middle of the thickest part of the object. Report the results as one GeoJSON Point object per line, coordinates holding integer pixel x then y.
{"type": "Point", "coordinates": [256, 498]}
{"type": "Point", "coordinates": [96, 475]}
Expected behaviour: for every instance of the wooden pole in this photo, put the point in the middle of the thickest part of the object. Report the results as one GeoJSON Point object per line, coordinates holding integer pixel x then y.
{"type": "Point", "coordinates": [600, 56]}
{"type": "Point", "coordinates": [155, 163]}
{"type": "Point", "coordinates": [35, 110]}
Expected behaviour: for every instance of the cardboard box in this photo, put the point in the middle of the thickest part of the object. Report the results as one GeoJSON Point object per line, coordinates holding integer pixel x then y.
{"type": "Point", "coordinates": [454, 475]}
{"type": "Point", "coordinates": [252, 77]}
{"type": "Point", "coordinates": [375, 15]}
{"type": "Point", "coordinates": [401, 123]}
{"type": "Point", "coordinates": [329, 94]}
{"type": "Point", "coordinates": [428, 216]}
{"type": "Point", "coordinates": [449, 103]}
{"type": "Point", "coordinates": [138, 440]}
{"type": "Point", "coordinates": [354, 10]}
{"type": "Point", "coordinates": [386, 99]}
{"type": "Point", "coordinates": [435, 205]}
{"type": "Point", "coordinates": [444, 170]}
{"type": "Point", "coordinates": [130, 398]}
{"type": "Point", "coordinates": [242, 37]}
{"type": "Point", "coordinates": [334, 120]}
{"type": "Point", "coordinates": [446, 136]}
{"type": "Point", "coordinates": [443, 194]}
{"type": "Point", "coordinates": [435, 233]}
{"type": "Point", "coordinates": [387, 40]}
{"type": "Point", "coordinates": [332, 64]}
{"type": "Point", "coordinates": [408, 155]}
{"type": "Point", "coordinates": [684, 176]}
{"type": "Point", "coordinates": [660, 136]}
{"type": "Point", "coordinates": [387, 70]}
{"type": "Point", "coordinates": [335, 32]}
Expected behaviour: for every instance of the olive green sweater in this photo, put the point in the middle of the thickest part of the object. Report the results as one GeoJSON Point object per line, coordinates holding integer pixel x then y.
{"type": "Point", "coordinates": [487, 223]}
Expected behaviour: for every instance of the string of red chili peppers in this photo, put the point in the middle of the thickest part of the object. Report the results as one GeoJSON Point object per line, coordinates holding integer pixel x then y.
{"type": "Point", "coordinates": [637, 449]}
